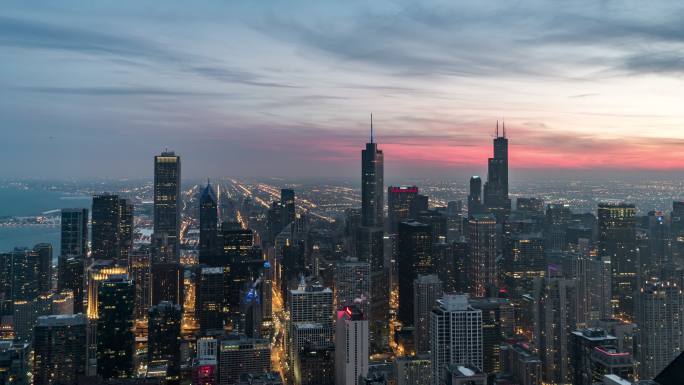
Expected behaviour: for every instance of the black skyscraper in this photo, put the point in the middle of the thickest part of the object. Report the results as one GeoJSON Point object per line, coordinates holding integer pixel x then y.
{"type": "Point", "coordinates": [399, 202]}
{"type": "Point", "coordinates": [475, 196]}
{"type": "Point", "coordinates": [496, 189]}
{"type": "Point", "coordinates": [211, 304]}
{"type": "Point", "coordinates": [44, 253]}
{"type": "Point", "coordinates": [372, 185]}
{"type": "Point", "coordinates": [105, 227]}
{"type": "Point", "coordinates": [167, 283]}
{"type": "Point", "coordinates": [208, 216]}
{"type": "Point", "coordinates": [167, 177]}
{"type": "Point", "coordinates": [369, 245]}
{"type": "Point", "coordinates": [112, 228]}
{"type": "Point", "coordinates": [115, 339]}
{"type": "Point", "coordinates": [287, 199]}
{"type": "Point", "coordinates": [74, 233]}
{"type": "Point", "coordinates": [71, 276]}
{"type": "Point", "coordinates": [164, 340]}
{"type": "Point", "coordinates": [415, 258]}
{"type": "Point", "coordinates": [125, 231]}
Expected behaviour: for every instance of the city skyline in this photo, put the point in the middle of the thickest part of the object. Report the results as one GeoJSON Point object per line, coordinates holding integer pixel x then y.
{"type": "Point", "coordinates": [286, 90]}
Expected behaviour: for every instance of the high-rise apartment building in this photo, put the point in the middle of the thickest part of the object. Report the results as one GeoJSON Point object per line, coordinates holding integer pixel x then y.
{"type": "Point", "coordinates": [352, 284]}
{"type": "Point", "coordinates": [427, 289]}
{"type": "Point", "coordinates": [482, 269]}
{"type": "Point", "coordinates": [661, 326]}
{"type": "Point", "coordinates": [456, 335]}
{"type": "Point", "coordinates": [60, 349]}
{"type": "Point", "coordinates": [351, 346]}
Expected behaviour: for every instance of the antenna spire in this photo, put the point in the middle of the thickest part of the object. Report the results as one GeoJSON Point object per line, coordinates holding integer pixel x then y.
{"type": "Point", "coordinates": [504, 128]}
{"type": "Point", "coordinates": [497, 128]}
{"type": "Point", "coordinates": [371, 128]}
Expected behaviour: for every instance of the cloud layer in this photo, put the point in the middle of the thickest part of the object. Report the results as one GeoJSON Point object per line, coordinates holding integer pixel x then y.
{"type": "Point", "coordinates": [285, 88]}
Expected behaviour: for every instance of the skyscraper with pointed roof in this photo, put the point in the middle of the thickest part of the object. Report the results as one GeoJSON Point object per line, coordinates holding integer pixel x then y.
{"type": "Point", "coordinates": [208, 213]}
{"type": "Point", "coordinates": [372, 182]}
{"type": "Point", "coordinates": [496, 188]}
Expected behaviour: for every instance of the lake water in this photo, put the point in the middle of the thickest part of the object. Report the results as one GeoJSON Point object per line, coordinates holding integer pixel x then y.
{"type": "Point", "coordinates": [20, 202]}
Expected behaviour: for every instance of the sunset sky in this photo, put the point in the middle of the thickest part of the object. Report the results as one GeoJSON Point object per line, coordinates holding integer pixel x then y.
{"type": "Point", "coordinates": [285, 88]}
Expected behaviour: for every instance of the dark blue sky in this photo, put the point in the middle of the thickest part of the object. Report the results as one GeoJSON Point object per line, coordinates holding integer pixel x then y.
{"type": "Point", "coordinates": [285, 88]}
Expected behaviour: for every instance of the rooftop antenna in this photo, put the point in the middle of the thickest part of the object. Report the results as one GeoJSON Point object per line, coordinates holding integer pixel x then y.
{"type": "Point", "coordinates": [497, 128]}
{"type": "Point", "coordinates": [371, 128]}
{"type": "Point", "coordinates": [504, 128]}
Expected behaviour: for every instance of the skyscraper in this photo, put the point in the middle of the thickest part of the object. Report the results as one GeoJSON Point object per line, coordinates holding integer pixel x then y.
{"type": "Point", "coordinates": [496, 189]}
{"type": "Point", "coordinates": [413, 370]}
{"type": "Point", "coordinates": [43, 252]}
{"type": "Point", "coordinates": [497, 325]}
{"type": "Point", "coordinates": [556, 302]}
{"type": "Point", "coordinates": [581, 347]}
{"type": "Point", "coordinates": [617, 241]}
{"type": "Point", "coordinates": [126, 223]}
{"type": "Point", "coordinates": [353, 284]}
{"type": "Point", "coordinates": [141, 275]}
{"type": "Point", "coordinates": [105, 227]}
{"type": "Point", "coordinates": [164, 340]}
{"type": "Point", "coordinates": [399, 200]}
{"type": "Point", "coordinates": [523, 259]}
{"type": "Point", "coordinates": [482, 270]}
{"type": "Point", "coordinates": [351, 348]}
{"type": "Point", "coordinates": [242, 355]}
{"type": "Point", "coordinates": [369, 248]}
{"type": "Point", "coordinates": [26, 273]}
{"type": "Point", "coordinates": [310, 328]}
{"type": "Point", "coordinates": [71, 276]}
{"type": "Point", "coordinates": [455, 336]}
{"type": "Point", "coordinates": [74, 232]}
{"type": "Point", "coordinates": [60, 349]}
{"type": "Point", "coordinates": [112, 228]}
{"type": "Point", "coordinates": [415, 258]}
{"type": "Point", "coordinates": [208, 217]}
{"type": "Point", "coordinates": [287, 199]}
{"type": "Point", "coordinates": [475, 196]}
{"type": "Point", "coordinates": [372, 184]}
{"type": "Point", "coordinates": [677, 228]}
{"type": "Point", "coordinates": [167, 283]}
{"type": "Point", "coordinates": [211, 305]}
{"type": "Point", "coordinates": [427, 289]}
{"type": "Point", "coordinates": [115, 339]}
{"type": "Point", "coordinates": [167, 180]}
{"type": "Point", "coordinates": [311, 303]}
{"type": "Point", "coordinates": [661, 329]}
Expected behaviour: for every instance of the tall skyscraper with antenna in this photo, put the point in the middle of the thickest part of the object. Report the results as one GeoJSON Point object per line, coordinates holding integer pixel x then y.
{"type": "Point", "coordinates": [496, 188]}
{"type": "Point", "coordinates": [369, 239]}
{"type": "Point", "coordinates": [372, 184]}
